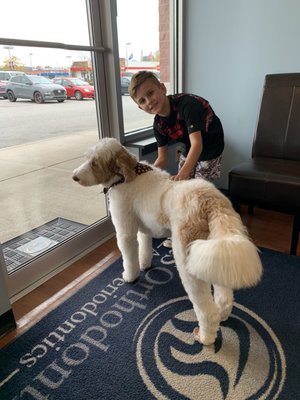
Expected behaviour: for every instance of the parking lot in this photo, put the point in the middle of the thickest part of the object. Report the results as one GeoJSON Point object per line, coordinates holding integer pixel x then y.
{"type": "Point", "coordinates": [40, 145]}
{"type": "Point", "coordinates": [25, 121]}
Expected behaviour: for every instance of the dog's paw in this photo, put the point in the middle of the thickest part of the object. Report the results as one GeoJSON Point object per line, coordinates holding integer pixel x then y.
{"type": "Point", "coordinates": [203, 339]}
{"type": "Point", "coordinates": [129, 276]}
{"type": "Point", "coordinates": [145, 266]}
{"type": "Point", "coordinates": [225, 312]}
{"type": "Point", "coordinates": [145, 259]}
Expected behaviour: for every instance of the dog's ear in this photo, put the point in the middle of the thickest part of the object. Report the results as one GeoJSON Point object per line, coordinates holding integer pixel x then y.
{"type": "Point", "coordinates": [102, 170]}
{"type": "Point", "coordinates": [125, 163]}
{"type": "Point", "coordinates": [94, 163]}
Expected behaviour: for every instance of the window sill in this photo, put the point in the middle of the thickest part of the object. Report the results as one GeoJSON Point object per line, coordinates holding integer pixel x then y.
{"type": "Point", "coordinates": [144, 146]}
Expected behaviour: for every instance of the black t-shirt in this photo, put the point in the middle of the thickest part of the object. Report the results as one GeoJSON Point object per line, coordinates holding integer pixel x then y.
{"type": "Point", "coordinates": [190, 113]}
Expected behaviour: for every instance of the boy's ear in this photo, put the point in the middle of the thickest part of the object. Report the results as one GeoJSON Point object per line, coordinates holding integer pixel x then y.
{"type": "Point", "coordinates": [163, 88]}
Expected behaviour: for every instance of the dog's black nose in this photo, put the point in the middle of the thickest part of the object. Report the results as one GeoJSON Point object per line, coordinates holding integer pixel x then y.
{"type": "Point", "coordinates": [75, 178]}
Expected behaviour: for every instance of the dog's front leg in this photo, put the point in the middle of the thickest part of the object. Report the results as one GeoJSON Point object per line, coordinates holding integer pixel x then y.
{"type": "Point", "coordinates": [128, 246]}
{"type": "Point", "coordinates": [145, 250]}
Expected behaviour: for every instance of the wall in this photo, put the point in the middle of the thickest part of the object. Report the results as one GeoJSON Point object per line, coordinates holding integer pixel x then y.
{"type": "Point", "coordinates": [229, 47]}
{"type": "Point", "coordinates": [164, 40]}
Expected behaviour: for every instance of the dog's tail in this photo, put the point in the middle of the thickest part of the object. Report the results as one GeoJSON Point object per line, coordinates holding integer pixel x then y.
{"type": "Point", "coordinates": [228, 257]}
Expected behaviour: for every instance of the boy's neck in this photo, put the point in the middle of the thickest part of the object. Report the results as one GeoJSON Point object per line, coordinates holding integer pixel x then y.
{"type": "Point", "coordinates": [166, 111]}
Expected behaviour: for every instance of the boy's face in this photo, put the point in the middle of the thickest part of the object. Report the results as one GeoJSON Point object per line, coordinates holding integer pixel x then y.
{"type": "Point", "coordinates": [152, 98]}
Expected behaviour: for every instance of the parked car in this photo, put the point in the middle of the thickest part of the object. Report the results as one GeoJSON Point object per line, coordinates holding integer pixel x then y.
{"type": "Point", "coordinates": [125, 81]}
{"type": "Point", "coordinates": [4, 78]}
{"type": "Point", "coordinates": [128, 74]}
{"type": "Point", "coordinates": [34, 87]}
{"type": "Point", "coordinates": [76, 87]}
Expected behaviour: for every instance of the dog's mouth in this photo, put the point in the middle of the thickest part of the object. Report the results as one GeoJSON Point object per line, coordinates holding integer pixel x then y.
{"type": "Point", "coordinates": [82, 183]}
{"type": "Point", "coordinates": [82, 180]}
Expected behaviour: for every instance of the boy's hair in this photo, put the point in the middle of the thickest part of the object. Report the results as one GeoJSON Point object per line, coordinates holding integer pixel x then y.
{"type": "Point", "coordinates": [139, 78]}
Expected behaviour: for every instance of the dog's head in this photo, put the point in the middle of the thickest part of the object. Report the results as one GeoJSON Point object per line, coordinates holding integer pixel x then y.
{"type": "Point", "coordinates": [107, 162]}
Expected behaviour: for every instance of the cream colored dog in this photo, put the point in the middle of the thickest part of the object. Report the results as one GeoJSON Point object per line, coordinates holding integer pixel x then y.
{"type": "Point", "coordinates": [210, 243]}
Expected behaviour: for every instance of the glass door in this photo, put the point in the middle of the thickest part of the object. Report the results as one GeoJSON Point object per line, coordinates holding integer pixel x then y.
{"type": "Point", "coordinates": [50, 115]}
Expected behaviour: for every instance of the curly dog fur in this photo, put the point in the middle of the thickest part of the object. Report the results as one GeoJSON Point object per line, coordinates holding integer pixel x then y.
{"type": "Point", "coordinates": [210, 243]}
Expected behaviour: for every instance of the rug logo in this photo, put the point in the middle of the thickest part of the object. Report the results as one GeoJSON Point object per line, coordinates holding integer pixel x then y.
{"type": "Point", "coordinates": [246, 361]}
{"type": "Point", "coordinates": [91, 326]}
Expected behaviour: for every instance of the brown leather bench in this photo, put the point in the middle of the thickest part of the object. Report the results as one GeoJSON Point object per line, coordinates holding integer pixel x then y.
{"type": "Point", "coordinates": [271, 180]}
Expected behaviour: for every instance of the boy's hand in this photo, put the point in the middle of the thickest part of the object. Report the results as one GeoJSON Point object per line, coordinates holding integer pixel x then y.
{"type": "Point", "coordinates": [191, 158]}
{"type": "Point", "coordinates": [180, 177]}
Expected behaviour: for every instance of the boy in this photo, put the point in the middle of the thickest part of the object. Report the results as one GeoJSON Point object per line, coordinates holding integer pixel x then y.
{"type": "Point", "coordinates": [186, 118]}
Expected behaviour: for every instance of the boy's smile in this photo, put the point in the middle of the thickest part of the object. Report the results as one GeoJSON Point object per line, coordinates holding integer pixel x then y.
{"type": "Point", "coordinates": [152, 98]}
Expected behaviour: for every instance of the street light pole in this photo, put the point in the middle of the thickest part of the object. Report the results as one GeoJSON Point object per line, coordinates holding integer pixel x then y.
{"type": "Point", "coordinates": [126, 63]}
{"type": "Point", "coordinates": [9, 56]}
{"type": "Point", "coordinates": [30, 56]}
{"type": "Point", "coordinates": [69, 58]}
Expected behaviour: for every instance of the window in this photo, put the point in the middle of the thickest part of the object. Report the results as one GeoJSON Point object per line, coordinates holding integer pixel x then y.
{"type": "Point", "coordinates": [145, 42]}
{"type": "Point", "coordinates": [50, 22]}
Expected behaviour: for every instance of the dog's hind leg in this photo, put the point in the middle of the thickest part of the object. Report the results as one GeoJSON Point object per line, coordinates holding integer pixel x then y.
{"type": "Point", "coordinates": [224, 300]}
{"type": "Point", "coordinates": [207, 312]}
{"type": "Point", "coordinates": [200, 294]}
{"type": "Point", "coordinates": [145, 250]}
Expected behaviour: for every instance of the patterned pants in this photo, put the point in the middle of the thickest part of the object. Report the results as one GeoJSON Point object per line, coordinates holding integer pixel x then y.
{"type": "Point", "coordinates": [209, 170]}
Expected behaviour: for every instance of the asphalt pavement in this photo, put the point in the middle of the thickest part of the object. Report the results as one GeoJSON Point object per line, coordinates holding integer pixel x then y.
{"type": "Point", "coordinates": [25, 121]}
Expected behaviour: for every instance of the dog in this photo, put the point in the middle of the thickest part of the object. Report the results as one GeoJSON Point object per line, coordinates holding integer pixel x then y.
{"type": "Point", "coordinates": [210, 244]}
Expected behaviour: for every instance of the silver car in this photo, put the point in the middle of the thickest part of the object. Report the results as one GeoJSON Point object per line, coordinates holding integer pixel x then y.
{"type": "Point", "coordinates": [4, 78]}
{"type": "Point", "coordinates": [34, 87]}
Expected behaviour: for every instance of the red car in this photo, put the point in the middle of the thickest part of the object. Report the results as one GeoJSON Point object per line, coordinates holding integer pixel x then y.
{"type": "Point", "coordinates": [76, 87]}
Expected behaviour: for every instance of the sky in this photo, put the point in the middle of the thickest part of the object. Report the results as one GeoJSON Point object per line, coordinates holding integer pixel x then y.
{"type": "Point", "coordinates": [64, 21]}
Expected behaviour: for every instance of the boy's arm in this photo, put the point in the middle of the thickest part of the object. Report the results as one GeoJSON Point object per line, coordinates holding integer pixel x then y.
{"type": "Point", "coordinates": [162, 157]}
{"type": "Point", "coordinates": [191, 158]}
